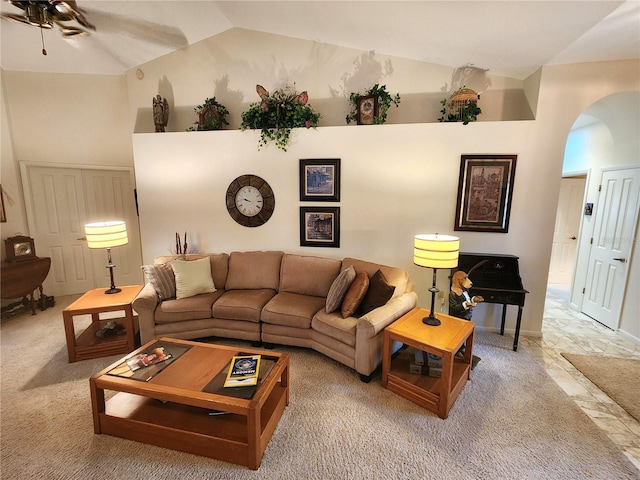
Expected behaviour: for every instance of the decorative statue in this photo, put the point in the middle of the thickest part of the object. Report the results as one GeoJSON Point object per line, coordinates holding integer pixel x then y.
{"type": "Point", "coordinates": [461, 304]}
{"type": "Point", "coordinates": [160, 113]}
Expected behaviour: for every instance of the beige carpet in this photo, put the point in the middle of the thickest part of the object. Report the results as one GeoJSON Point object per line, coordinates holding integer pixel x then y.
{"type": "Point", "coordinates": [617, 377]}
{"type": "Point", "coordinates": [511, 422]}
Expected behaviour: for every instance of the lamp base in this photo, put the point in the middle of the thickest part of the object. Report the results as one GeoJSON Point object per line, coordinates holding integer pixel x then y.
{"type": "Point", "coordinates": [433, 321]}
{"type": "Point", "coordinates": [113, 290]}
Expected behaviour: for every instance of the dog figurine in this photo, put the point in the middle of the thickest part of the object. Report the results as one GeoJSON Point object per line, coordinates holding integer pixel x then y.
{"type": "Point", "coordinates": [460, 303]}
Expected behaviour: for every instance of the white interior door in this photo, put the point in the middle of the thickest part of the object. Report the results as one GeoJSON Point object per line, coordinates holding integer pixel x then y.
{"type": "Point", "coordinates": [565, 234]}
{"type": "Point", "coordinates": [615, 224]}
{"type": "Point", "coordinates": [61, 202]}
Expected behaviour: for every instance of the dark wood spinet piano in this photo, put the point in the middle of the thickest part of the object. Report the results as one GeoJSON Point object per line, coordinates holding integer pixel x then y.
{"type": "Point", "coordinates": [497, 279]}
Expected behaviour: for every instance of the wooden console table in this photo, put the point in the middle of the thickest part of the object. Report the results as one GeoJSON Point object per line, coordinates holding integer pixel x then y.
{"type": "Point", "coordinates": [22, 279]}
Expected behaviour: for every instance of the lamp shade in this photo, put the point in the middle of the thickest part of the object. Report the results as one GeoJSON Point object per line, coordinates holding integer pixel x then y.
{"type": "Point", "coordinates": [106, 234]}
{"type": "Point", "coordinates": [436, 251]}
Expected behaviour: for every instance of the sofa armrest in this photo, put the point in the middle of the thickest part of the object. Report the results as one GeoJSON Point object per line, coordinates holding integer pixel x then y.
{"type": "Point", "coordinates": [145, 305]}
{"type": "Point", "coordinates": [378, 319]}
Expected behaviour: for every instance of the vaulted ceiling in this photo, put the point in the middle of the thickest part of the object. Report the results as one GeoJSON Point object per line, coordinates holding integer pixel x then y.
{"type": "Point", "coordinates": [509, 38]}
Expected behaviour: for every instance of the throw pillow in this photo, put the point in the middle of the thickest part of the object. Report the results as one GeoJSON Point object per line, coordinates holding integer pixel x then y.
{"type": "Point", "coordinates": [378, 293]}
{"type": "Point", "coordinates": [355, 294]}
{"type": "Point", "coordinates": [339, 288]}
{"type": "Point", "coordinates": [193, 277]}
{"type": "Point", "coordinates": [162, 279]}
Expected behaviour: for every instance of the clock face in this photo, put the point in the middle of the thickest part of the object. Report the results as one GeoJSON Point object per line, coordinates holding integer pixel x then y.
{"type": "Point", "coordinates": [21, 249]}
{"type": "Point", "coordinates": [250, 200]}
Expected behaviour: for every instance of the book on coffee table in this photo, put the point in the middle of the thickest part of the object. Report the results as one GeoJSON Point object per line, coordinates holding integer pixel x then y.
{"type": "Point", "coordinates": [243, 371]}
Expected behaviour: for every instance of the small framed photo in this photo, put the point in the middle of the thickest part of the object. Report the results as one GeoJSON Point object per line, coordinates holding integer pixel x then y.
{"type": "Point", "coordinates": [320, 180]}
{"type": "Point", "coordinates": [485, 189]}
{"type": "Point", "coordinates": [320, 227]}
{"type": "Point", "coordinates": [367, 109]}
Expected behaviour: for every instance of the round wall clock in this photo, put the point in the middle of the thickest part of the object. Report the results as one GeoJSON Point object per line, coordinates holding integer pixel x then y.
{"type": "Point", "coordinates": [250, 200]}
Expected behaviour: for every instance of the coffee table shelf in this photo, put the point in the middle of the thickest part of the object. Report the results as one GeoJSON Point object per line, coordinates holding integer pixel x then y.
{"type": "Point", "coordinates": [171, 410]}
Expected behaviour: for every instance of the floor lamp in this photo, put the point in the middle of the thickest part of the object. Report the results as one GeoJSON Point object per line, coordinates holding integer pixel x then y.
{"type": "Point", "coordinates": [435, 251]}
{"type": "Point", "coordinates": [107, 235]}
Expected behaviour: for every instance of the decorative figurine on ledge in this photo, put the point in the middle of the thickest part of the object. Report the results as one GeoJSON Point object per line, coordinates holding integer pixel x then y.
{"type": "Point", "coordinates": [160, 113]}
{"type": "Point", "coordinates": [461, 304]}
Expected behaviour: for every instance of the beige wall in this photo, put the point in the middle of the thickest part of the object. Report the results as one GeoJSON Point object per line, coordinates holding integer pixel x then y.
{"type": "Point", "coordinates": [398, 179]}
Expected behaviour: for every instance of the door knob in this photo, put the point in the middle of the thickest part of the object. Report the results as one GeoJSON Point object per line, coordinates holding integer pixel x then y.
{"type": "Point", "coordinates": [621, 260]}
{"type": "Point", "coordinates": [82, 239]}
{"type": "Point", "coordinates": [573, 237]}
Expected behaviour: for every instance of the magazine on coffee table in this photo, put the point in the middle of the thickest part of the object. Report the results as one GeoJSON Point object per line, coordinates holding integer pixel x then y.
{"type": "Point", "coordinates": [243, 371]}
{"type": "Point", "coordinates": [146, 365]}
{"type": "Point", "coordinates": [146, 359]}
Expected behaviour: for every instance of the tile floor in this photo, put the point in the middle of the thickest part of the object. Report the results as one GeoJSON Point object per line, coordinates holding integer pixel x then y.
{"type": "Point", "coordinates": [568, 331]}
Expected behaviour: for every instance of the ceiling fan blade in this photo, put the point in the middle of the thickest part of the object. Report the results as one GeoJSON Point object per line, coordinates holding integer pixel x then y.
{"type": "Point", "coordinates": [15, 18]}
{"type": "Point", "coordinates": [112, 23]}
{"type": "Point", "coordinates": [73, 12]}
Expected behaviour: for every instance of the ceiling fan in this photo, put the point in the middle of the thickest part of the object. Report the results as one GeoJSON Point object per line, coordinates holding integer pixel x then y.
{"type": "Point", "coordinates": [44, 14]}
{"type": "Point", "coordinates": [72, 21]}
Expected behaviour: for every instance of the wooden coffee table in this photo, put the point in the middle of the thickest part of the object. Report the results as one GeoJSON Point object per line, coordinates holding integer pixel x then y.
{"type": "Point", "coordinates": [95, 302]}
{"type": "Point", "coordinates": [435, 394]}
{"type": "Point", "coordinates": [170, 404]}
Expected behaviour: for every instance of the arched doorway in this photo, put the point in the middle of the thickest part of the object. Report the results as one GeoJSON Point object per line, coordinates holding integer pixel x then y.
{"type": "Point", "coordinates": [604, 139]}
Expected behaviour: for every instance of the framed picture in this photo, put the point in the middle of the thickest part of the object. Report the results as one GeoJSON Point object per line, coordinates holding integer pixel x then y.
{"type": "Point", "coordinates": [320, 227]}
{"type": "Point", "coordinates": [367, 109]}
{"type": "Point", "coordinates": [485, 189]}
{"type": "Point", "coordinates": [320, 180]}
{"type": "Point", "coordinates": [3, 215]}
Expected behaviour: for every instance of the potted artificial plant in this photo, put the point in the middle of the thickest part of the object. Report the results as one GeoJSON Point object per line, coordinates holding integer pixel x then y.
{"type": "Point", "coordinates": [370, 107]}
{"type": "Point", "coordinates": [212, 115]}
{"type": "Point", "coordinates": [277, 113]}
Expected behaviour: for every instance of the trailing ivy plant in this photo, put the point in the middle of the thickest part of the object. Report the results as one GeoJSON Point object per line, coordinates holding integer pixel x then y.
{"type": "Point", "coordinates": [277, 113]}
{"type": "Point", "coordinates": [384, 102]}
{"type": "Point", "coordinates": [465, 112]}
{"type": "Point", "coordinates": [212, 115]}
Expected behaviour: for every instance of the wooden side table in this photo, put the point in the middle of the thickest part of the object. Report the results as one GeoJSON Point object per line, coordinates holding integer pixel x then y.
{"type": "Point", "coordinates": [95, 302]}
{"type": "Point", "coordinates": [22, 279]}
{"type": "Point", "coordinates": [435, 394]}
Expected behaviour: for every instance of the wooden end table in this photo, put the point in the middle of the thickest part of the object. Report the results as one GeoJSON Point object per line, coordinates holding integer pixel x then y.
{"type": "Point", "coordinates": [173, 408]}
{"type": "Point", "coordinates": [95, 302]}
{"type": "Point", "coordinates": [435, 394]}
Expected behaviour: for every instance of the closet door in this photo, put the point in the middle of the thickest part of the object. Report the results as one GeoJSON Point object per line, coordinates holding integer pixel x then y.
{"type": "Point", "coordinates": [60, 202]}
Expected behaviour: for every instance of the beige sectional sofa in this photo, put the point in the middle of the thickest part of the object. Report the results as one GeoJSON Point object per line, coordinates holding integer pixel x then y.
{"type": "Point", "coordinates": [279, 298]}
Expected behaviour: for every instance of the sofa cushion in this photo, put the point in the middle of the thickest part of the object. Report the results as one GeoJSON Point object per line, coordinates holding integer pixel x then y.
{"type": "Point", "coordinates": [219, 264]}
{"type": "Point", "coordinates": [242, 304]}
{"type": "Point", "coordinates": [162, 278]}
{"type": "Point", "coordinates": [193, 277]}
{"type": "Point", "coordinates": [394, 275]}
{"type": "Point", "coordinates": [339, 288]}
{"type": "Point", "coordinates": [292, 309]}
{"type": "Point", "coordinates": [254, 270]}
{"type": "Point", "coordinates": [308, 275]}
{"type": "Point", "coordinates": [334, 326]}
{"type": "Point", "coordinates": [191, 308]}
{"type": "Point", "coordinates": [378, 293]}
{"type": "Point", "coordinates": [354, 296]}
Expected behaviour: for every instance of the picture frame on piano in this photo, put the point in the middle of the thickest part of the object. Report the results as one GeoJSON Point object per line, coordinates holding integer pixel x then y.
{"type": "Point", "coordinates": [485, 190]}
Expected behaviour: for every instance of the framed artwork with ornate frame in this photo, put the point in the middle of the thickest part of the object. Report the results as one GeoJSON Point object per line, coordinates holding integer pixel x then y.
{"type": "Point", "coordinates": [320, 180]}
{"type": "Point", "coordinates": [485, 190]}
{"type": "Point", "coordinates": [320, 227]}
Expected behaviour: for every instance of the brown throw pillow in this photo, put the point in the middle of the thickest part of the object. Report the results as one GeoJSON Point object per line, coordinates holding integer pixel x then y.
{"type": "Point", "coordinates": [339, 289]}
{"type": "Point", "coordinates": [354, 296]}
{"type": "Point", "coordinates": [162, 278]}
{"type": "Point", "coordinates": [378, 293]}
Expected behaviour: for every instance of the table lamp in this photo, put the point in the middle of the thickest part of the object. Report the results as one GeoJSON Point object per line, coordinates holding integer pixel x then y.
{"type": "Point", "coordinates": [435, 251]}
{"type": "Point", "coordinates": [107, 235]}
